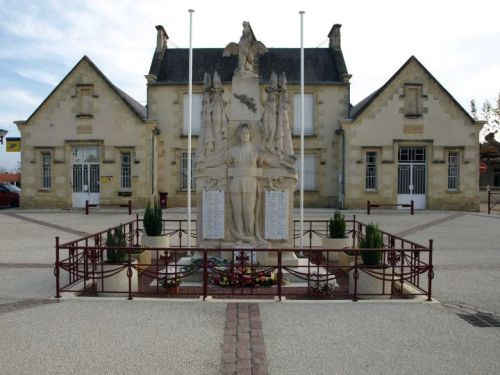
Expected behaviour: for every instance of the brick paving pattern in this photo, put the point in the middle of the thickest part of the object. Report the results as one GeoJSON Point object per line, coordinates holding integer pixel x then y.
{"type": "Point", "coordinates": [24, 304]}
{"type": "Point", "coordinates": [429, 224]}
{"type": "Point", "coordinates": [49, 225]}
{"type": "Point", "coordinates": [243, 350]}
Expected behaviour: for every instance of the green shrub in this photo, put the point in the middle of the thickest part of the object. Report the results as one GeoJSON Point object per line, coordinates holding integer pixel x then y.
{"type": "Point", "coordinates": [153, 220]}
{"type": "Point", "coordinates": [336, 226]}
{"type": "Point", "coordinates": [116, 238]}
{"type": "Point", "coordinates": [372, 240]}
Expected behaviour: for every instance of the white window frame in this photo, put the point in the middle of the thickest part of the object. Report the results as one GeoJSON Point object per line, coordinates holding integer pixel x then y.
{"type": "Point", "coordinates": [196, 120]}
{"type": "Point", "coordinates": [125, 170]}
{"type": "Point", "coordinates": [183, 171]}
{"type": "Point", "coordinates": [310, 166]}
{"type": "Point", "coordinates": [46, 161]}
{"type": "Point", "coordinates": [371, 171]}
{"type": "Point", "coordinates": [453, 170]}
{"type": "Point", "coordinates": [308, 114]}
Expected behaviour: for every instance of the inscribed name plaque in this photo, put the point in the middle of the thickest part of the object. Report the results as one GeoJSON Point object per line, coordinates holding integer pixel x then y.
{"type": "Point", "coordinates": [213, 214]}
{"type": "Point", "coordinates": [276, 215]}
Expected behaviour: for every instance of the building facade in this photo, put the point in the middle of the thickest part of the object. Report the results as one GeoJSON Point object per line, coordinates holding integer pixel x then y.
{"type": "Point", "coordinates": [409, 140]}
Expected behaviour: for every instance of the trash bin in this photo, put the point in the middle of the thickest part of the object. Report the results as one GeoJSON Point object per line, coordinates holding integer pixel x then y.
{"type": "Point", "coordinates": [163, 200]}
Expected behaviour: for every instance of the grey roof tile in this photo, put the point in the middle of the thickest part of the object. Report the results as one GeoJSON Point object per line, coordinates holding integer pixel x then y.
{"type": "Point", "coordinates": [320, 65]}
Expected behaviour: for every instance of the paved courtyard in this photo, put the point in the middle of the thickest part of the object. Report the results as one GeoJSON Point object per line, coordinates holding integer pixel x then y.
{"type": "Point", "coordinates": [40, 335]}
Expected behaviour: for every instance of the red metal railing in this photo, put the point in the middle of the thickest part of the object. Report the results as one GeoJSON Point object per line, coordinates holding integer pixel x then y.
{"type": "Point", "coordinates": [410, 205]}
{"type": "Point", "coordinates": [406, 267]}
{"type": "Point", "coordinates": [493, 201]}
{"type": "Point", "coordinates": [128, 205]}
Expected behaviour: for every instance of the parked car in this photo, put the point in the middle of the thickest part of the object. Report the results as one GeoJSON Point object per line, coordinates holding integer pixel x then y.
{"type": "Point", "coordinates": [9, 195]}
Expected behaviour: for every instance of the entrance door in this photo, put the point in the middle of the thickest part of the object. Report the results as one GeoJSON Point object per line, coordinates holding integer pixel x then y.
{"type": "Point", "coordinates": [85, 176]}
{"type": "Point", "coordinates": [412, 176]}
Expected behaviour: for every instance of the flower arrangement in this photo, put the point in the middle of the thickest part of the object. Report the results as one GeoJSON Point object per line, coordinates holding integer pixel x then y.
{"type": "Point", "coordinates": [170, 282]}
{"type": "Point", "coordinates": [245, 278]}
{"type": "Point", "coordinates": [321, 283]}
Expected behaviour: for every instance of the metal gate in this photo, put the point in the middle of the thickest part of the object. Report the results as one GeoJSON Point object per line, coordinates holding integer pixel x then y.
{"type": "Point", "coordinates": [412, 176]}
{"type": "Point", "coordinates": [85, 177]}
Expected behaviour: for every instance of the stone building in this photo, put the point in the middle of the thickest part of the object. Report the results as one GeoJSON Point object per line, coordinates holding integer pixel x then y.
{"type": "Point", "coordinates": [408, 140]}
{"type": "Point", "coordinates": [87, 141]}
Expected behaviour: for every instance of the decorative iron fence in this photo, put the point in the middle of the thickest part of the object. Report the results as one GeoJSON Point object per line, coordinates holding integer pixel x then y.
{"type": "Point", "coordinates": [493, 201]}
{"type": "Point", "coordinates": [313, 272]}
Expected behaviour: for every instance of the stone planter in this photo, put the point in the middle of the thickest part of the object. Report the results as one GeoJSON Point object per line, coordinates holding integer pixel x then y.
{"type": "Point", "coordinates": [144, 260]}
{"type": "Point", "coordinates": [367, 284]}
{"type": "Point", "coordinates": [172, 290]}
{"type": "Point", "coordinates": [336, 243]}
{"type": "Point", "coordinates": [117, 282]}
{"type": "Point", "coordinates": [346, 260]}
{"type": "Point", "coordinates": [154, 242]}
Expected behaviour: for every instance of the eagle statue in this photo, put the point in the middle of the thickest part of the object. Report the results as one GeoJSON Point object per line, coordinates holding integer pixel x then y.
{"type": "Point", "coordinates": [246, 50]}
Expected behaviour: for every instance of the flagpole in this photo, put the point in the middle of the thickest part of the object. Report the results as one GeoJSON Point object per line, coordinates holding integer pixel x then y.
{"type": "Point", "coordinates": [190, 119]}
{"type": "Point", "coordinates": [301, 128]}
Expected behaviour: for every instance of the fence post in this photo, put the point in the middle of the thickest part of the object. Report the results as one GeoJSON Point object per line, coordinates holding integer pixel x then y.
{"type": "Point", "coordinates": [137, 229]}
{"type": "Point", "coordinates": [356, 276]}
{"type": "Point", "coordinates": [86, 207]}
{"type": "Point", "coordinates": [280, 275]}
{"type": "Point", "coordinates": [130, 207]}
{"type": "Point", "coordinates": [368, 207]}
{"type": "Point", "coordinates": [310, 235]}
{"type": "Point", "coordinates": [412, 207]}
{"type": "Point", "coordinates": [205, 274]}
{"type": "Point", "coordinates": [353, 230]}
{"type": "Point", "coordinates": [430, 273]}
{"type": "Point", "coordinates": [489, 199]}
{"type": "Point", "coordinates": [129, 274]}
{"type": "Point", "coordinates": [56, 269]}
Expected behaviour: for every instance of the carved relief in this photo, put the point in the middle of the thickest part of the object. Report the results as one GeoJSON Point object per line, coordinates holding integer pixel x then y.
{"type": "Point", "coordinates": [275, 124]}
{"type": "Point", "coordinates": [249, 102]}
{"type": "Point", "coordinates": [213, 132]}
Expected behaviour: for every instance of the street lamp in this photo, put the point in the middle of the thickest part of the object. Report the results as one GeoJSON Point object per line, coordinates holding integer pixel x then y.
{"type": "Point", "coordinates": [3, 133]}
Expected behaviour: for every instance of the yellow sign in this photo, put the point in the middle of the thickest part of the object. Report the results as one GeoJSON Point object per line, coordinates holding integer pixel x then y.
{"type": "Point", "coordinates": [106, 179]}
{"type": "Point", "coordinates": [13, 145]}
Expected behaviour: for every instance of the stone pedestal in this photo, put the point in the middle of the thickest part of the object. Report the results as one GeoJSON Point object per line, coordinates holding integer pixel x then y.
{"type": "Point", "coordinates": [245, 100]}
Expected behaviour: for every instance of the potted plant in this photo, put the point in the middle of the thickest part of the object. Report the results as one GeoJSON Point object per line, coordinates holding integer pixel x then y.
{"type": "Point", "coordinates": [153, 237]}
{"type": "Point", "coordinates": [337, 238]}
{"type": "Point", "coordinates": [117, 256]}
{"type": "Point", "coordinates": [171, 284]}
{"type": "Point", "coordinates": [372, 263]}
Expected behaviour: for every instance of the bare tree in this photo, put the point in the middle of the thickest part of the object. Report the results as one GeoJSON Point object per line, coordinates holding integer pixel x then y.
{"type": "Point", "coordinates": [489, 113]}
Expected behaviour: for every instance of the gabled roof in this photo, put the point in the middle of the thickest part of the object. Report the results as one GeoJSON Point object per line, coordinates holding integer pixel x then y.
{"type": "Point", "coordinates": [138, 109]}
{"type": "Point", "coordinates": [359, 108]}
{"type": "Point", "coordinates": [321, 65]}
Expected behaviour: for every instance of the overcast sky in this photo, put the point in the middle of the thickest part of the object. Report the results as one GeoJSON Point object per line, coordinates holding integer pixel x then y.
{"type": "Point", "coordinates": [40, 41]}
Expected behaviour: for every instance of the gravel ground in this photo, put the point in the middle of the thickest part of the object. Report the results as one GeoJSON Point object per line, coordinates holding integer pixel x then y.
{"type": "Point", "coordinates": [171, 337]}
{"type": "Point", "coordinates": [113, 337]}
{"type": "Point", "coordinates": [27, 283]}
{"type": "Point", "coordinates": [375, 338]}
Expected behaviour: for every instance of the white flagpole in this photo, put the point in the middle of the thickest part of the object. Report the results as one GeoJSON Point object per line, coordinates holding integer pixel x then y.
{"type": "Point", "coordinates": [302, 128]}
{"type": "Point", "coordinates": [190, 118]}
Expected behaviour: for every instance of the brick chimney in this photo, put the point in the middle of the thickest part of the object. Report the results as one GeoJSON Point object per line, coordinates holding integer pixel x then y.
{"type": "Point", "coordinates": [334, 36]}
